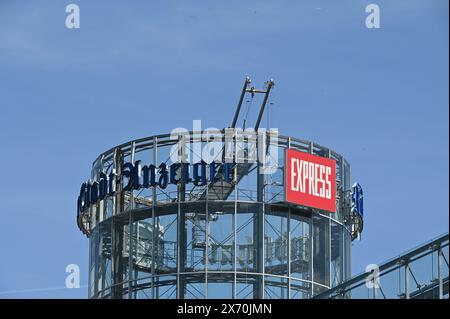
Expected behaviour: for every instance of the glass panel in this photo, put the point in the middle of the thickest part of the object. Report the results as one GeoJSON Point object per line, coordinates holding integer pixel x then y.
{"type": "Point", "coordinates": [336, 254]}
{"type": "Point", "coordinates": [274, 190]}
{"type": "Point", "coordinates": [131, 245]}
{"type": "Point", "coordinates": [143, 197]}
{"type": "Point", "coordinates": [168, 194]}
{"type": "Point", "coordinates": [444, 262]}
{"type": "Point", "coordinates": [165, 287]}
{"type": "Point", "coordinates": [434, 294]}
{"type": "Point", "coordinates": [246, 286]}
{"type": "Point", "coordinates": [445, 269]}
{"type": "Point", "coordinates": [420, 274]}
{"type": "Point", "coordinates": [247, 190]}
{"type": "Point", "coordinates": [220, 290]}
{"type": "Point", "coordinates": [93, 262]}
{"type": "Point", "coordinates": [244, 241]}
{"type": "Point", "coordinates": [276, 240]}
{"type": "Point", "coordinates": [165, 245]}
{"type": "Point", "coordinates": [143, 294]}
{"type": "Point", "coordinates": [142, 289]}
{"type": "Point", "coordinates": [321, 256]}
{"type": "Point", "coordinates": [300, 247]}
{"type": "Point", "coordinates": [195, 221]}
{"type": "Point", "coordinates": [275, 288]}
{"type": "Point", "coordinates": [318, 289]}
{"type": "Point", "coordinates": [300, 289]}
{"type": "Point", "coordinates": [360, 292]}
{"type": "Point", "coordinates": [195, 287]}
{"type": "Point", "coordinates": [347, 242]}
{"type": "Point", "coordinates": [104, 255]}
{"type": "Point", "coordinates": [108, 201]}
{"type": "Point", "coordinates": [221, 238]}
{"type": "Point", "coordinates": [390, 285]}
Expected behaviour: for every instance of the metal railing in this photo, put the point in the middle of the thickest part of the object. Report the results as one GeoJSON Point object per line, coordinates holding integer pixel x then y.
{"type": "Point", "coordinates": [421, 273]}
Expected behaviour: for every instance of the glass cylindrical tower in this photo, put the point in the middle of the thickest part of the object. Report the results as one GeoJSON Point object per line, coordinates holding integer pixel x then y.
{"type": "Point", "coordinates": [236, 238]}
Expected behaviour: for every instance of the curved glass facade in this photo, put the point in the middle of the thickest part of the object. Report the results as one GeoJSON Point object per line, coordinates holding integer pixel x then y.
{"type": "Point", "coordinates": [238, 240]}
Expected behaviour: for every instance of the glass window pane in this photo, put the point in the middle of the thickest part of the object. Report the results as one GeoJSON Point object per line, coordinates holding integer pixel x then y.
{"type": "Point", "coordinates": [275, 243]}
{"type": "Point", "coordinates": [300, 247]}
{"type": "Point", "coordinates": [300, 289]}
{"type": "Point", "coordinates": [275, 288]}
{"type": "Point", "coordinates": [244, 241]}
{"type": "Point", "coordinates": [336, 254]}
{"type": "Point", "coordinates": [321, 244]}
{"type": "Point", "coordinates": [221, 239]}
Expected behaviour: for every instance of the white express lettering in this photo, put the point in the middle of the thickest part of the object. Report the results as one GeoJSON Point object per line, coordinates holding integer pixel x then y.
{"type": "Point", "coordinates": [316, 176]}
{"type": "Point", "coordinates": [328, 182]}
{"type": "Point", "coordinates": [311, 179]}
{"type": "Point", "coordinates": [294, 186]}
{"type": "Point", "coordinates": [322, 171]}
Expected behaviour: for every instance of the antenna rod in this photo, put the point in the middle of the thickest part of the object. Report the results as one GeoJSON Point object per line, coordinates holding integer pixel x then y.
{"type": "Point", "coordinates": [238, 110]}
{"type": "Point", "coordinates": [266, 96]}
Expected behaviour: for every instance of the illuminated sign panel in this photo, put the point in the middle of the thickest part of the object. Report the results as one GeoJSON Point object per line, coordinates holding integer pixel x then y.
{"type": "Point", "coordinates": [310, 180]}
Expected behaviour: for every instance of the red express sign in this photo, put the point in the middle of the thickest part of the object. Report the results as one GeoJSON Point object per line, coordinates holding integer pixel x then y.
{"type": "Point", "coordinates": [310, 180]}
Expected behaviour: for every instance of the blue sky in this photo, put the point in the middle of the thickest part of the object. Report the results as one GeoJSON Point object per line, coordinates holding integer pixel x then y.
{"type": "Point", "coordinates": [377, 96]}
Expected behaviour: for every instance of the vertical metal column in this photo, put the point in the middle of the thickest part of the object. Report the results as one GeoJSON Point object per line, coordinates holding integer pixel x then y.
{"type": "Point", "coordinates": [101, 283]}
{"type": "Point", "coordinates": [181, 230]}
{"type": "Point", "coordinates": [341, 253]}
{"type": "Point", "coordinates": [206, 233]}
{"type": "Point", "coordinates": [258, 227]}
{"type": "Point", "coordinates": [312, 234]}
{"type": "Point", "coordinates": [329, 243]}
{"type": "Point", "coordinates": [114, 268]}
{"type": "Point", "coordinates": [117, 265]}
{"type": "Point", "coordinates": [289, 235]}
{"type": "Point", "coordinates": [235, 222]}
{"type": "Point", "coordinates": [406, 279]}
{"type": "Point", "coordinates": [350, 246]}
{"type": "Point", "coordinates": [329, 252]}
{"type": "Point", "coordinates": [117, 231]}
{"type": "Point", "coordinates": [206, 238]}
{"type": "Point", "coordinates": [375, 295]}
{"type": "Point", "coordinates": [342, 229]}
{"type": "Point", "coordinates": [289, 252]}
{"type": "Point", "coordinates": [311, 253]}
{"type": "Point", "coordinates": [130, 232]}
{"type": "Point", "coordinates": [441, 290]}
{"type": "Point", "coordinates": [155, 145]}
{"type": "Point", "coordinates": [90, 294]}
{"type": "Point", "coordinates": [96, 260]}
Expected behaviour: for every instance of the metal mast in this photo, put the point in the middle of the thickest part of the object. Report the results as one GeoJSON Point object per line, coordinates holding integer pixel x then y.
{"type": "Point", "coordinates": [253, 91]}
